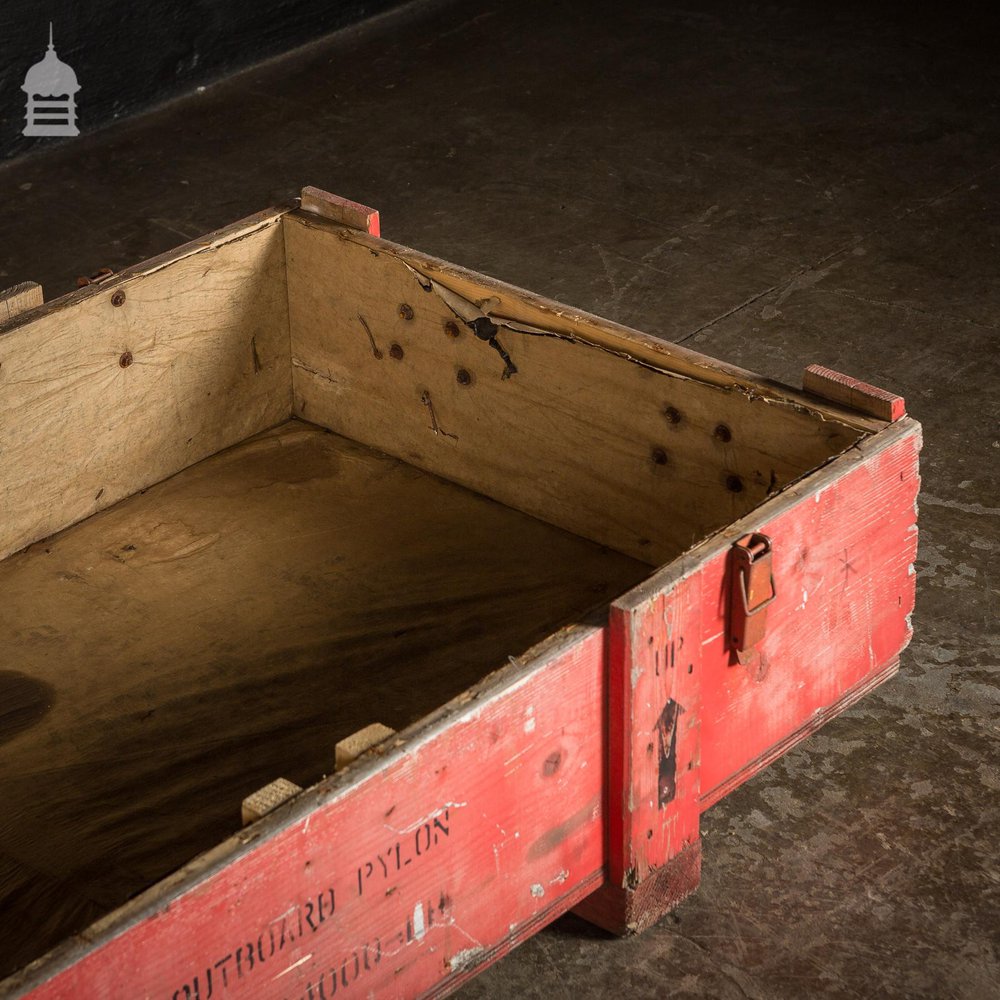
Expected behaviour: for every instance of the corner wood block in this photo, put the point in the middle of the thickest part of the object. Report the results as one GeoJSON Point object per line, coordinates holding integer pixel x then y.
{"type": "Point", "coordinates": [19, 298]}
{"type": "Point", "coordinates": [349, 749]}
{"type": "Point", "coordinates": [267, 798]}
{"type": "Point", "coordinates": [850, 392]}
{"type": "Point", "coordinates": [625, 911]}
{"type": "Point", "coordinates": [340, 210]}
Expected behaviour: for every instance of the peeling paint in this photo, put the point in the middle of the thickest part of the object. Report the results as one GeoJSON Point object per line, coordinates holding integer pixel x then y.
{"type": "Point", "coordinates": [466, 958]}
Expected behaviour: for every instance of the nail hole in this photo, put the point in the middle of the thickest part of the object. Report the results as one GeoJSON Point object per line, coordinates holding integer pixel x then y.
{"type": "Point", "coordinates": [659, 456]}
{"type": "Point", "coordinates": [126, 359]}
{"type": "Point", "coordinates": [734, 484]}
{"type": "Point", "coordinates": [451, 329]}
{"type": "Point", "coordinates": [723, 433]}
{"type": "Point", "coordinates": [672, 414]}
{"type": "Point", "coordinates": [405, 310]}
{"type": "Point", "coordinates": [463, 377]}
{"type": "Point", "coordinates": [690, 668]}
{"type": "Point", "coordinates": [396, 352]}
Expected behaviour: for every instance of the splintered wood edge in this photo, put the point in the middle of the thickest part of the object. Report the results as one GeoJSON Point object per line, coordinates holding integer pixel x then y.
{"type": "Point", "coordinates": [267, 798]}
{"type": "Point", "coordinates": [352, 747]}
{"type": "Point", "coordinates": [208, 243]}
{"type": "Point", "coordinates": [643, 348]}
{"type": "Point", "coordinates": [19, 298]}
{"type": "Point", "coordinates": [851, 392]}
{"type": "Point", "coordinates": [340, 210]}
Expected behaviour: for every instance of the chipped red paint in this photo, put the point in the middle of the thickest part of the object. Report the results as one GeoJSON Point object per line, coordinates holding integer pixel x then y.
{"type": "Point", "coordinates": [584, 767]}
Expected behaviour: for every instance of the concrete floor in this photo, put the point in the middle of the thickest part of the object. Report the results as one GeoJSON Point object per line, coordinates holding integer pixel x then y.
{"type": "Point", "coordinates": [774, 187]}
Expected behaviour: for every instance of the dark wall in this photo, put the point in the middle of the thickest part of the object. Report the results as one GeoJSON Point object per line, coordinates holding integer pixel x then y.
{"type": "Point", "coordinates": [129, 56]}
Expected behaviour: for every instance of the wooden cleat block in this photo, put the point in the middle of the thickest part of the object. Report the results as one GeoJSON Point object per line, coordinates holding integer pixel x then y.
{"type": "Point", "coordinates": [340, 210]}
{"type": "Point", "coordinates": [19, 298]}
{"type": "Point", "coordinates": [267, 798]}
{"type": "Point", "coordinates": [852, 392]}
{"type": "Point", "coordinates": [356, 744]}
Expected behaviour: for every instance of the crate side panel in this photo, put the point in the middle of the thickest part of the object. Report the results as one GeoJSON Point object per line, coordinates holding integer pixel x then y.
{"type": "Point", "coordinates": [566, 429]}
{"type": "Point", "coordinates": [101, 400]}
{"type": "Point", "coordinates": [424, 871]}
{"type": "Point", "coordinates": [843, 572]}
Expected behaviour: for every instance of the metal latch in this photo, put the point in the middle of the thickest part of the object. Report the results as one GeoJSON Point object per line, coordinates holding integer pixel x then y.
{"type": "Point", "coordinates": [751, 592]}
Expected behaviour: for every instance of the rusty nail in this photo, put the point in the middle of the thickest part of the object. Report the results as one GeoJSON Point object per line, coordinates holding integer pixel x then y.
{"type": "Point", "coordinates": [101, 275]}
{"type": "Point", "coordinates": [451, 328]}
{"type": "Point", "coordinates": [723, 433]}
{"type": "Point", "coordinates": [659, 456]}
{"type": "Point", "coordinates": [672, 414]}
{"type": "Point", "coordinates": [734, 484]}
{"type": "Point", "coordinates": [126, 359]}
{"type": "Point", "coordinates": [396, 352]}
{"type": "Point", "coordinates": [406, 311]}
{"type": "Point", "coordinates": [464, 378]}
{"type": "Point", "coordinates": [118, 299]}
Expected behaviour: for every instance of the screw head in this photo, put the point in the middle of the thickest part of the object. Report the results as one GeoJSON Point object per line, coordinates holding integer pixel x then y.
{"type": "Point", "coordinates": [118, 299]}
{"type": "Point", "coordinates": [395, 351]}
{"type": "Point", "coordinates": [463, 377]}
{"type": "Point", "coordinates": [723, 433]}
{"type": "Point", "coordinates": [672, 414]}
{"type": "Point", "coordinates": [451, 328]}
{"type": "Point", "coordinates": [659, 456]}
{"type": "Point", "coordinates": [405, 311]}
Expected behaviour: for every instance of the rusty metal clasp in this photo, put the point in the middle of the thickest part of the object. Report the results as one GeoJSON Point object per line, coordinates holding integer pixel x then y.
{"type": "Point", "coordinates": [752, 590]}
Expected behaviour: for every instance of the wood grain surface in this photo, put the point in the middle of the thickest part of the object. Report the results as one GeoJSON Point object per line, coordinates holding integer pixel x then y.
{"type": "Point", "coordinates": [607, 432]}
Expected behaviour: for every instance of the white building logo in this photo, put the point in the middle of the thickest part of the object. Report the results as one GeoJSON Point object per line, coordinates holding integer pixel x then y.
{"type": "Point", "coordinates": [51, 87]}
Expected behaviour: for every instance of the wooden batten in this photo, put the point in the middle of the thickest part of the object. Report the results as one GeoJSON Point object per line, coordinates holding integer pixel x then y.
{"type": "Point", "coordinates": [19, 298]}
{"type": "Point", "coordinates": [603, 432]}
{"type": "Point", "coordinates": [853, 393]}
{"type": "Point", "coordinates": [141, 376]}
{"type": "Point", "coordinates": [340, 210]}
{"type": "Point", "coordinates": [267, 799]}
{"type": "Point", "coordinates": [352, 747]}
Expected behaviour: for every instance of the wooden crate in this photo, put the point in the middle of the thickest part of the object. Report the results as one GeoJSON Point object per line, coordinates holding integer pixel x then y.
{"type": "Point", "coordinates": [290, 480]}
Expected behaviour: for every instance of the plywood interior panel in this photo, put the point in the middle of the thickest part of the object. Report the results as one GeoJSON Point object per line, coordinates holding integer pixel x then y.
{"type": "Point", "coordinates": [599, 430]}
{"type": "Point", "coordinates": [164, 658]}
{"type": "Point", "coordinates": [109, 390]}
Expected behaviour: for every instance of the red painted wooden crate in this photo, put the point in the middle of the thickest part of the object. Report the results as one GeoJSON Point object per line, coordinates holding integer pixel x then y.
{"type": "Point", "coordinates": [574, 773]}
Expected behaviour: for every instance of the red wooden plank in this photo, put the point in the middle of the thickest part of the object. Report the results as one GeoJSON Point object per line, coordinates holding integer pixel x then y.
{"type": "Point", "coordinates": [340, 210]}
{"type": "Point", "coordinates": [852, 392]}
{"type": "Point", "coordinates": [845, 588]}
{"type": "Point", "coordinates": [654, 712]}
{"type": "Point", "coordinates": [843, 545]}
{"type": "Point", "coordinates": [464, 842]}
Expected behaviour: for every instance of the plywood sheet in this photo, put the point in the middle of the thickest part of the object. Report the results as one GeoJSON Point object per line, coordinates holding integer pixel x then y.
{"type": "Point", "coordinates": [100, 399]}
{"type": "Point", "coordinates": [596, 429]}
